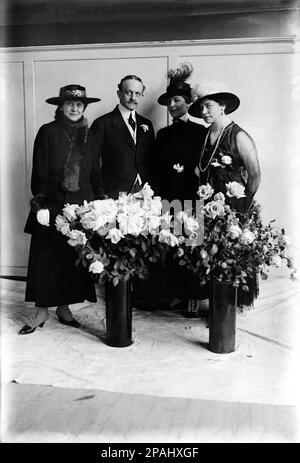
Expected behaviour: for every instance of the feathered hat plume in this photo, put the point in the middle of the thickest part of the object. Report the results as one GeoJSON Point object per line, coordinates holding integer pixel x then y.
{"type": "Point", "coordinates": [177, 84]}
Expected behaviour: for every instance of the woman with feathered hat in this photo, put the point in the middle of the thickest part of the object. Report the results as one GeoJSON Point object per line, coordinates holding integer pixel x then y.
{"type": "Point", "coordinates": [177, 145]}
{"type": "Point", "coordinates": [63, 171]}
{"type": "Point", "coordinates": [176, 156]}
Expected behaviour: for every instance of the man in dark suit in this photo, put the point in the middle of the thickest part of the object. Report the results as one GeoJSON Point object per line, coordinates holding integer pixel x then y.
{"type": "Point", "coordinates": [124, 140]}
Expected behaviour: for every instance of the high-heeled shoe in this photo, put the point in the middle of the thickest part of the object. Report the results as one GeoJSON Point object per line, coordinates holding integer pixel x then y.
{"type": "Point", "coordinates": [72, 322]}
{"type": "Point", "coordinates": [26, 329]}
{"type": "Point", "coordinates": [65, 317]}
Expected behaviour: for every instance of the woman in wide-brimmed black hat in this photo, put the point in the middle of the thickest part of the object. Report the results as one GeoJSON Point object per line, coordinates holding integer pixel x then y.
{"type": "Point", "coordinates": [228, 157]}
{"type": "Point", "coordinates": [228, 153]}
{"type": "Point", "coordinates": [64, 171]}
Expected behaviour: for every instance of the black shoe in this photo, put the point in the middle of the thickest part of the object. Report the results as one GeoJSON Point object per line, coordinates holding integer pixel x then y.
{"type": "Point", "coordinates": [28, 329]}
{"type": "Point", "coordinates": [72, 322]}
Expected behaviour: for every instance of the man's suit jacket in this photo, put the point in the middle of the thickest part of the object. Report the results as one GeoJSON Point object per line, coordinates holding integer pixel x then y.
{"type": "Point", "coordinates": [179, 143]}
{"type": "Point", "coordinates": [121, 159]}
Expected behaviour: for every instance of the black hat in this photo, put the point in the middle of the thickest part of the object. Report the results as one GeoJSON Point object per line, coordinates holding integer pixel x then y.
{"type": "Point", "coordinates": [231, 101]}
{"type": "Point", "coordinates": [71, 92]}
{"type": "Point", "coordinates": [177, 85]}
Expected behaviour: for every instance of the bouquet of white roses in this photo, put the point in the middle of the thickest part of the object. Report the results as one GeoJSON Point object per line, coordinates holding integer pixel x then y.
{"type": "Point", "coordinates": [118, 238]}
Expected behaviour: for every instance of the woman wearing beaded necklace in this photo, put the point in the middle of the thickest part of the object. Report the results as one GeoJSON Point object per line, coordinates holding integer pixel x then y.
{"type": "Point", "coordinates": [63, 171]}
{"type": "Point", "coordinates": [228, 153]}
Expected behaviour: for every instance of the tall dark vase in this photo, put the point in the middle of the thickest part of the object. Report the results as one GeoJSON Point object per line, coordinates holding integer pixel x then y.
{"type": "Point", "coordinates": [222, 317]}
{"type": "Point", "coordinates": [118, 314]}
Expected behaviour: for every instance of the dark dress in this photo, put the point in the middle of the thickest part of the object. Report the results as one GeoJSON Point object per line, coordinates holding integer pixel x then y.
{"type": "Point", "coordinates": [218, 176]}
{"type": "Point", "coordinates": [176, 144]}
{"type": "Point", "coordinates": [53, 278]}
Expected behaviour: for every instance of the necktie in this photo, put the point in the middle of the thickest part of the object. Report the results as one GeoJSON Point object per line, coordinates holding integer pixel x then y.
{"type": "Point", "coordinates": [178, 121]}
{"type": "Point", "coordinates": [131, 122]}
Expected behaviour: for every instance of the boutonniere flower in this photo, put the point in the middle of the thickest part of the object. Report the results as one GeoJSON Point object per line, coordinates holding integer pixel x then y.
{"type": "Point", "coordinates": [145, 127]}
{"type": "Point", "coordinates": [226, 160]}
{"type": "Point", "coordinates": [178, 168]}
{"type": "Point", "coordinates": [215, 163]}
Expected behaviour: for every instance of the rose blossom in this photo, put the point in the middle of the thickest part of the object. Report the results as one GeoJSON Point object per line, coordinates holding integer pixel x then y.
{"type": "Point", "coordinates": [165, 236]}
{"type": "Point", "coordinates": [153, 224]}
{"type": "Point", "coordinates": [88, 220]}
{"type": "Point", "coordinates": [235, 190]}
{"type": "Point", "coordinates": [166, 218]}
{"type": "Point", "coordinates": [180, 252]}
{"type": "Point", "coordinates": [96, 267]}
{"type": "Point", "coordinates": [205, 191]}
{"type": "Point", "coordinates": [226, 160]}
{"type": "Point", "coordinates": [203, 254]}
{"type": "Point", "coordinates": [214, 249]}
{"type": "Point", "coordinates": [156, 205]}
{"type": "Point", "coordinates": [190, 225]}
{"type": "Point", "coordinates": [105, 210]}
{"type": "Point", "coordinates": [247, 237]}
{"type": "Point", "coordinates": [62, 225]}
{"type": "Point", "coordinates": [234, 231]}
{"type": "Point", "coordinates": [114, 235]}
{"type": "Point", "coordinates": [214, 209]}
{"type": "Point", "coordinates": [77, 238]}
{"type": "Point", "coordinates": [277, 261]}
{"type": "Point", "coordinates": [69, 211]}
{"type": "Point", "coordinates": [86, 207]}
{"type": "Point", "coordinates": [131, 224]}
{"type": "Point", "coordinates": [219, 197]}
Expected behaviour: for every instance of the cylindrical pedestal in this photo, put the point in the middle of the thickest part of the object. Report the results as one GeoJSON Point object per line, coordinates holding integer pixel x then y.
{"type": "Point", "coordinates": [222, 317]}
{"type": "Point", "coordinates": [118, 314]}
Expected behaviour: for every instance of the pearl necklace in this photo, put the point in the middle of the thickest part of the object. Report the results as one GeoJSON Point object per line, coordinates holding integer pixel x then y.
{"type": "Point", "coordinates": [214, 150]}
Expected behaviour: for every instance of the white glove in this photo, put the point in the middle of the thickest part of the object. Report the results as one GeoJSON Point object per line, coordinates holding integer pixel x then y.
{"type": "Point", "coordinates": [43, 217]}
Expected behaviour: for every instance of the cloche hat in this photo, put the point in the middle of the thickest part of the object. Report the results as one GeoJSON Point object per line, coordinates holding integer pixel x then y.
{"type": "Point", "coordinates": [231, 101]}
{"type": "Point", "coordinates": [177, 84]}
{"type": "Point", "coordinates": [72, 92]}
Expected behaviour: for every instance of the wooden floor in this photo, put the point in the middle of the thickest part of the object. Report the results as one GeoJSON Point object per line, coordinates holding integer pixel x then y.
{"type": "Point", "coordinates": [39, 413]}
{"type": "Point", "coordinates": [50, 414]}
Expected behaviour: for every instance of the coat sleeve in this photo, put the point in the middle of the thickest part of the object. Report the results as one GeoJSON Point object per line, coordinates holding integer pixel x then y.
{"type": "Point", "coordinates": [96, 171]}
{"type": "Point", "coordinates": [40, 170]}
{"type": "Point", "coordinates": [158, 163]}
{"type": "Point", "coordinates": [95, 144]}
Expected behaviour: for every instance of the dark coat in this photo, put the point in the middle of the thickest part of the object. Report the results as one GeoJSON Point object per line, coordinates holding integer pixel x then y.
{"type": "Point", "coordinates": [179, 143]}
{"type": "Point", "coordinates": [121, 159]}
{"type": "Point", "coordinates": [53, 279]}
{"type": "Point", "coordinates": [50, 151]}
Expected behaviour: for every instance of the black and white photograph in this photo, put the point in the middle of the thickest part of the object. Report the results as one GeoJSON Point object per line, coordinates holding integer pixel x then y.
{"type": "Point", "coordinates": [150, 250]}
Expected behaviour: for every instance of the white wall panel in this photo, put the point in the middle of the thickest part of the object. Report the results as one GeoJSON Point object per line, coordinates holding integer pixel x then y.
{"type": "Point", "coordinates": [14, 198]}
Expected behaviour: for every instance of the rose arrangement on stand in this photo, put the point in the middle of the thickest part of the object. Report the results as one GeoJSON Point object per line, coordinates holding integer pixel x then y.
{"type": "Point", "coordinates": [235, 249]}
{"type": "Point", "coordinates": [117, 240]}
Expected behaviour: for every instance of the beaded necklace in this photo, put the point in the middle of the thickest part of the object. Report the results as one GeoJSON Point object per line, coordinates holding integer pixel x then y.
{"type": "Point", "coordinates": [214, 150]}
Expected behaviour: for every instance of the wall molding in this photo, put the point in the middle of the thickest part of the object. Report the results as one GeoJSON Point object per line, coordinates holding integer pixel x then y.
{"type": "Point", "coordinates": [284, 41]}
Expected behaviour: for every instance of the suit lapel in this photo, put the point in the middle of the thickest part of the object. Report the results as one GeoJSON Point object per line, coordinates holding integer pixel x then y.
{"type": "Point", "coordinates": [139, 131]}
{"type": "Point", "coordinates": [122, 128]}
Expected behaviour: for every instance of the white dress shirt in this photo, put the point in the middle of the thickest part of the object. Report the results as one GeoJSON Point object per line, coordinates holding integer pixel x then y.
{"type": "Point", "coordinates": [125, 113]}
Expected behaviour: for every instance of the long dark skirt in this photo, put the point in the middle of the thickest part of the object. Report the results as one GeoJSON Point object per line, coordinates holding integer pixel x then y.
{"type": "Point", "coordinates": [53, 278]}
{"type": "Point", "coordinates": [166, 283]}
